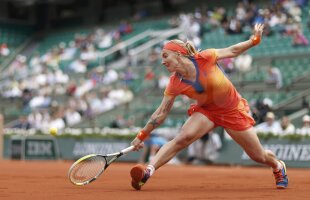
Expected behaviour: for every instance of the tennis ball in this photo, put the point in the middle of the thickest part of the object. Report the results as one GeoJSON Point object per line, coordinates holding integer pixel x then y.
{"type": "Point", "coordinates": [53, 131]}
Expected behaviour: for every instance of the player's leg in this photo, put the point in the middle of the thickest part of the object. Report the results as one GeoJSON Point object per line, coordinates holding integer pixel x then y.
{"type": "Point", "coordinates": [249, 141]}
{"type": "Point", "coordinates": [194, 128]}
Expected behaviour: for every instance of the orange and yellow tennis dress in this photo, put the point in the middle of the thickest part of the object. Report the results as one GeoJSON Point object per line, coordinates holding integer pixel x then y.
{"type": "Point", "coordinates": [216, 96]}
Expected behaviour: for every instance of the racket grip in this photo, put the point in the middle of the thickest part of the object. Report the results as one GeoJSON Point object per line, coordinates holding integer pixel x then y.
{"type": "Point", "coordinates": [127, 150]}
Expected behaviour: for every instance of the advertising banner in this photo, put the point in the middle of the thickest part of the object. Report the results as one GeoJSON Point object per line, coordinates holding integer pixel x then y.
{"type": "Point", "coordinates": [294, 153]}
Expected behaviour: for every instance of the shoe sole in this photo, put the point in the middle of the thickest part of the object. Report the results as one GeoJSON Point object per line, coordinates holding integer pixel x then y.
{"type": "Point", "coordinates": [284, 166]}
{"type": "Point", "coordinates": [137, 174]}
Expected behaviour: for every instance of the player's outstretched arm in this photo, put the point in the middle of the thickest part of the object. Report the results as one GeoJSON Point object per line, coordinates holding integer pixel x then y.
{"type": "Point", "coordinates": [157, 118]}
{"type": "Point", "coordinates": [237, 49]}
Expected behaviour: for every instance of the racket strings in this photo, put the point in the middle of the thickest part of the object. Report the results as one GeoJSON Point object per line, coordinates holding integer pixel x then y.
{"type": "Point", "coordinates": [87, 169]}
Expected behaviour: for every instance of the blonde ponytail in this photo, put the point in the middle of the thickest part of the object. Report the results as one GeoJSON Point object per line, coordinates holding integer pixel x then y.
{"type": "Point", "coordinates": [191, 51]}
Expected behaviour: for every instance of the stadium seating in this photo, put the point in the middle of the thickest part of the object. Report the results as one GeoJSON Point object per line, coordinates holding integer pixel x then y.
{"type": "Point", "coordinates": [13, 35]}
{"type": "Point", "coordinates": [290, 69]}
{"type": "Point", "coordinates": [275, 47]}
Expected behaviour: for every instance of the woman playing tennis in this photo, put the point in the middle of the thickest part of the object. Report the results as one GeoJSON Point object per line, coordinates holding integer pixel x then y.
{"type": "Point", "coordinates": [197, 75]}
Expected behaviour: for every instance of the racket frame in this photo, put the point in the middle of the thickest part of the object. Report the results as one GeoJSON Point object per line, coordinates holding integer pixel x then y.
{"type": "Point", "coordinates": [113, 157]}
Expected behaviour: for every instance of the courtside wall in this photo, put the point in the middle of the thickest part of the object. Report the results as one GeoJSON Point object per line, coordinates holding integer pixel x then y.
{"type": "Point", "coordinates": [295, 152]}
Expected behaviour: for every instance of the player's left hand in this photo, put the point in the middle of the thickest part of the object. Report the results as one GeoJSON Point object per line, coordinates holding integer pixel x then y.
{"type": "Point", "coordinates": [258, 29]}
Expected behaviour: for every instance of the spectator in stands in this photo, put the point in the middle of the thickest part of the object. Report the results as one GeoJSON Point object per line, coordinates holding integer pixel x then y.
{"type": "Point", "coordinates": [84, 87]}
{"type": "Point", "coordinates": [127, 94]}
{"type": "Point", "coordinates": [153, 56]}
{"type": "Point", "coordinates": [217, 16]}
{"type": "Point", "coordinates": [110, 76]}
{"type": "Point", "coordinates": [185, 20]}
{"type": "Point", "coordinates": [120, 95]}
{"type": "Point", "coordinates": [119, 122]}
{"type": "Point", "coordinates": [18, 68]}
{"type": "Point", "coordinates": [293, 10]}
{"type": "Point", "coordinates": [196, 151]}
{"type": "Point", "coordinates": [260, 108]}
{"type": "Point", "coordinates": [107, 103]}
{"type": "Point", "coordinates": [89, 53]}
{"type": "Point", "coordinates": [96, 74]}
{"type": "Point", "coordinates": [152, 146]}
{"type": "Point", "coordinates": [274, 77]}
{"type": "Point", "coordinates": [240, 12]}
{"type": "Point", "coordinates": [26, 97]}
{"type": "Point", "coordinates": [163, 81]}
{"type": "Point", "coordinates": [298, 37]}
{"type": "Point", "coordinates": [67, 53]}
{"type": "Point", "coordinates": [234, 26]}
{"type": "Point", "coordinates": [270, 125]}
{"type": "Point", "coordinates": [204, 150]}
{"type": "Point", "coordinates": [57, 119]}
{"type": "Point", "coordinates": [41, 100]}
{"type": "Point", "coordinates": [243, 63]}
{"type": "Point", "coordinates": [194, 31]}
{"type": "Point", "coordinates": [81, 105]}
{"type": "Point", "coordinates": [14, 90]}
{"type": "Point", "coordinates": [149, 77]}
{"type": "Point", "coordinates": [22, 123]}
{"type": "Point", "coordinates": [149, 74]}
{"type": "Point", "coordinates": [259, 17]}
{"type": "Point", "coordinates": [128, 76]}
{"type": "Point", "coordinates": [71, 88]}
{"type": "Point", "coordinates": [38, 118]}
{"type": "Point", "coordinates": [57, 77]}
{"type": "Point", "coordinates": [103, 39]}
{"type": "Point", "coordinates": [286, 126]}
{"type": "Point", "coordinates": [227, 65]}
{"type": "Point", "coordinates": [78, 66]}
{"type": "Point", "coordinates": [277, 20]}
{"type": "Point", "coordinates": [125, 27]}
{"type": "Point", "coordinates": [95, 102]}
{"type": "Point", "coordinates": [72, 117]}
{"type": "Point", "coordinates": [36, 64]}
{"type": "Point", "coordinates": [305, 129]}
{"type": "Point", "coordinates": [4, 50]}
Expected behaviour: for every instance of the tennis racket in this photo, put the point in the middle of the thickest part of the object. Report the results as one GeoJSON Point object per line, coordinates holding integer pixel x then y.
{"type": "Point", "coordinates": [88, 168]}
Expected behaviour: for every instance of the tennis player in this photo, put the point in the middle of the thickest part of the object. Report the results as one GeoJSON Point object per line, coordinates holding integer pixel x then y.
{"type": "Point", "coordinates": [197, 75]}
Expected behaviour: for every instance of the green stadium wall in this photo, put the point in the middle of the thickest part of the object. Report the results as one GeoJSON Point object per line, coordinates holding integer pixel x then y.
{"type": "Point", "coordinates": [296, 153]}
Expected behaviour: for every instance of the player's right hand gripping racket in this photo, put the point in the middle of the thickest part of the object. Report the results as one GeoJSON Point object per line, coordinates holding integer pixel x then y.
{"type": "Point", "coordinates": [90, 167]}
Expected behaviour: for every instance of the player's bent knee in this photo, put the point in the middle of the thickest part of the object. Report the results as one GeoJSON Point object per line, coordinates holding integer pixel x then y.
{"type": "Point", "coordinates": [182, 141]}
{"type": "Point", "coordinates": [260, 158]}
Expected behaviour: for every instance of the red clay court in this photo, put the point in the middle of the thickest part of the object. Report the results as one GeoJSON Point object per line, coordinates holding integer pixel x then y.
{"type": "Point", "coordinates": [47, 180]}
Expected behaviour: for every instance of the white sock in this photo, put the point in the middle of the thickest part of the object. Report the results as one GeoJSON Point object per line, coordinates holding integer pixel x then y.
{"type": "Point", "coordinates": [279, 166]}
{"type": "Point", "coordinates": [151, 168]}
